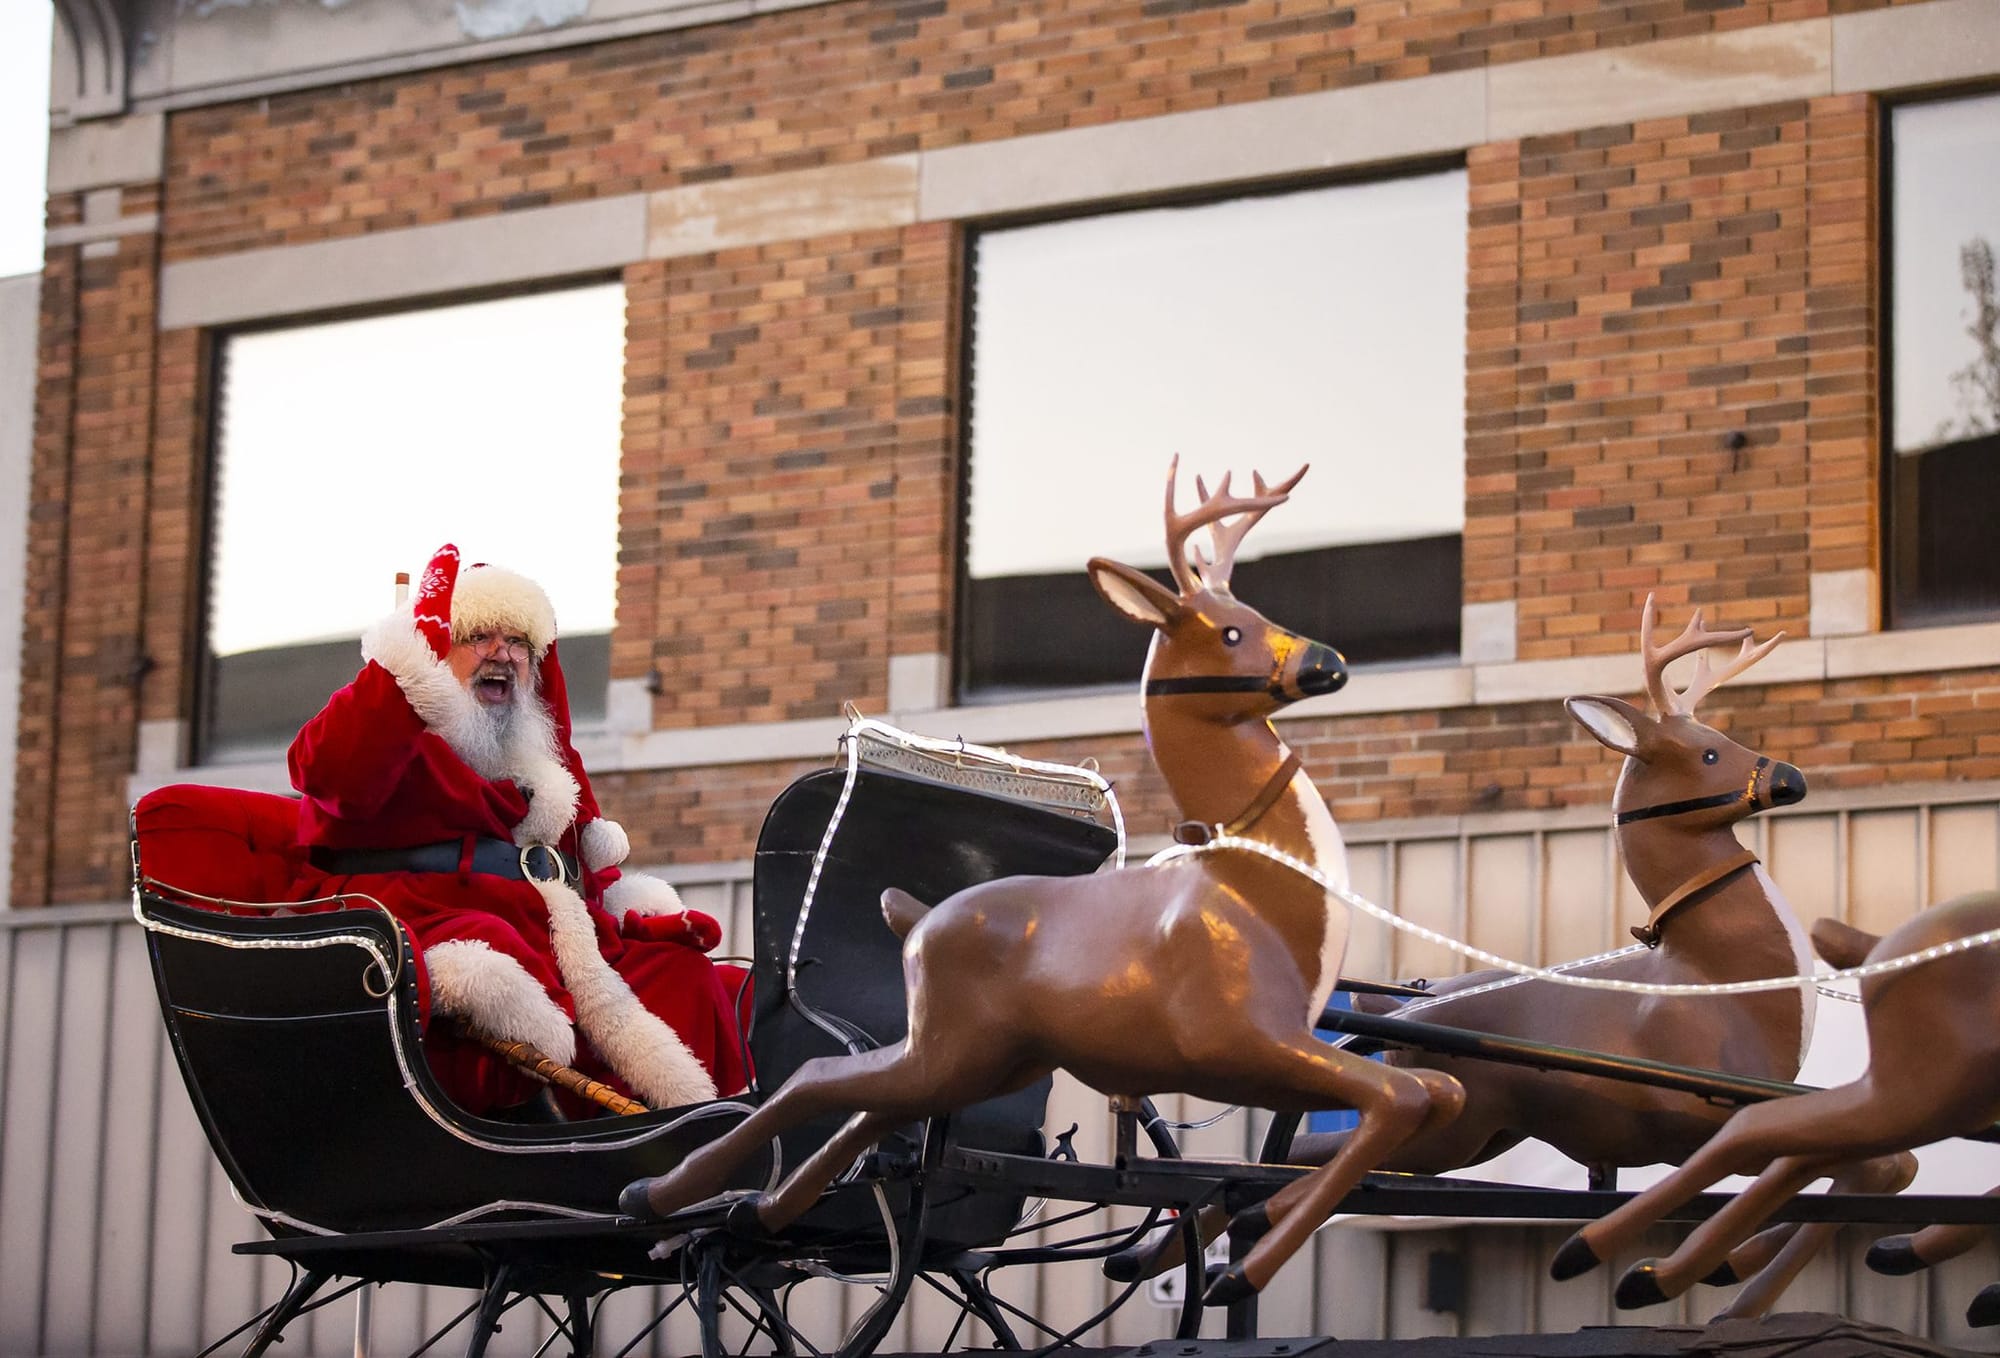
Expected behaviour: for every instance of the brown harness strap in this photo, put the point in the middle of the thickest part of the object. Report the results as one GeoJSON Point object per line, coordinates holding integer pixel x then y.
{"type": "Point", "coordinates": [1649, 932]}
{"type": "Point", "coordinates": [1196, 833]}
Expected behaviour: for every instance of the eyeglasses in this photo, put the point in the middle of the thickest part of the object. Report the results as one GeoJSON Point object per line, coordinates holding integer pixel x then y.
{"type": "Point", "coordinates": [491, 645]}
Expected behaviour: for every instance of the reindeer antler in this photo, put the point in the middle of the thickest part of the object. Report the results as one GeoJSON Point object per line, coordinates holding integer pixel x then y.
{"type": "Point", "coordinates": [1193, 575]}
{"type": "Point", "coordinates": [1696, 639]}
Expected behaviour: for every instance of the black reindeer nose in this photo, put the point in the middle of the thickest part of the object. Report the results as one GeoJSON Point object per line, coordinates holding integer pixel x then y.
{"type": "Point", "coordinates": [1788, 785]}
{"type": "Point", "coordinates": [1322, 671]}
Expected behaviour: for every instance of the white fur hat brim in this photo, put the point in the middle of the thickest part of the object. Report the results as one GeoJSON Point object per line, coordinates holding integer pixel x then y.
{"type": "Point", "coordinates": [495, 599]}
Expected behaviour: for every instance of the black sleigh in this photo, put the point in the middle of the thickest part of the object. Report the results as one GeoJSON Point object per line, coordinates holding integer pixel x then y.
{"type": "Point", "coordinates": [295, 1026]}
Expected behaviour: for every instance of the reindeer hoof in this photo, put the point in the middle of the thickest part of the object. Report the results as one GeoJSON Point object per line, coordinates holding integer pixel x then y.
{"type": "Point", "coordinates": [745, 1217]}
{"type": "Point", "coordinates": [1895, 1256]}
{"type": "Point", "coordinates": [1573, 1260]}
{"type": "Point", "coordinates": [1228, 1289]}
{"type": "Point", "coordinates": [1126, 1266]}
{"type": "Point", "coordinates": [1985, 1308]}
{"type": "Point", "coordinates": [633, 1202]}
{"type": "Point", "coordinates": [1639, 1287]}
{"type": "Point", "coordinates": [1724, 1275]}
{"type": "Point", "coordinates": [1249, 1226]}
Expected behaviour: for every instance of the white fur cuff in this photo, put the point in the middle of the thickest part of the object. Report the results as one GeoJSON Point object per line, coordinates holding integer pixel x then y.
{"type": "Point", "coordinates": [493, 994]}
{"type": "Point", "coordinates": [647, 895]}
{"type": "Point", "coordinates": [605, 844]}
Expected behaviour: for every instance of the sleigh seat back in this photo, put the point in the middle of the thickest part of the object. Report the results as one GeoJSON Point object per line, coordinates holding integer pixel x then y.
{"type": "Point", "coordinates": [828, 969]}
{"type": "Point", "coordinates": [295, 1026]}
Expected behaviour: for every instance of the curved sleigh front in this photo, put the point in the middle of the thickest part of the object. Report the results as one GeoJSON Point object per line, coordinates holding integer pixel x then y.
{"type": "Point", "coordinates": [296, 1028]}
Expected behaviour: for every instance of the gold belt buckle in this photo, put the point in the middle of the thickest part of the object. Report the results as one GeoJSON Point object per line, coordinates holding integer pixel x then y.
{"type": "Point", "coordinates": [561, 873]}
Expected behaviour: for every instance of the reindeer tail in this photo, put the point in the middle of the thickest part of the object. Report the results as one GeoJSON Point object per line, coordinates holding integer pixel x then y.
{"type": "Point", "coordinates": [902, 910]}
{"type": "Point", "coordinates": [1842, 945]}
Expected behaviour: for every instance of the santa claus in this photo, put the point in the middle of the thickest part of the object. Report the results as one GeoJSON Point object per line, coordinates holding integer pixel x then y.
{"type": "Point", "coordinates": [443, 782]}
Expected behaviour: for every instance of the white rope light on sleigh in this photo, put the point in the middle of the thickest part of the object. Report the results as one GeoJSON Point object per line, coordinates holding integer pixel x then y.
{"type": "Point", "coordinates": [1367, 907]}
{"type": "Point", "coordinates": [1073, 787]}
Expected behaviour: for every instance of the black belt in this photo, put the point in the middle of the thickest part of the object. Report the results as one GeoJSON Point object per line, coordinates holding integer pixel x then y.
{"type": "Point", "coordinates": [496, 857]}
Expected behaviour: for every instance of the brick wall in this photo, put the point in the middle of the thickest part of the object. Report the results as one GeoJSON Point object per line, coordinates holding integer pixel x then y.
{"type": "Point", "coordinates": [1637, 295]}
{"type": "Point", "coordinates": [820, 86]}
{"type": "Point", "coordinates": [786, 473]}
{"type": "Point", "coordinates": [1671, 380]}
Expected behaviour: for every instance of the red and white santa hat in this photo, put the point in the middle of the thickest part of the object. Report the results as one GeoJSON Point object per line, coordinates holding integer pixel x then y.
{"type": "Point", "coordinates": [452, 603]}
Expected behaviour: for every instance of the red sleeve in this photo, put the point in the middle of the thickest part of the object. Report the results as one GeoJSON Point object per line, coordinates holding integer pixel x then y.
{"type": "Point", "coordinates": [350, 757]}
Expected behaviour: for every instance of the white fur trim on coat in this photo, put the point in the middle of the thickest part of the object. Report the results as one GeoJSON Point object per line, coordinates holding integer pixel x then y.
{"type": "Point", "coordinates": [604, 844]}
{"type": "Point", "coordinates": [442, 704]}
{"type": "Point", "coordinates": [493, 994]}
{"type": "Point", "coordinates": [644, 893]}
{"type": "Point", "coordinates": [634, 1041]}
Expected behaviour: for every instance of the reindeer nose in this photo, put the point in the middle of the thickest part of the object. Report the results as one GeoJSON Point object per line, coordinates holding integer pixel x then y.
{"type": "Point", "coordinates": [1322, 671]}
{"type": "Point", "coordinates": [1787, 784]}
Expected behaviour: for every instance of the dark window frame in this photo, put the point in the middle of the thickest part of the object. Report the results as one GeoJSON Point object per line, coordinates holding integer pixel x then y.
{"type": "Point", "coordinates": [201, 689]}
{"type": "Point", "coordinates": [962, 690]}
{"type": "Point", "coordinates": [1899, 511]}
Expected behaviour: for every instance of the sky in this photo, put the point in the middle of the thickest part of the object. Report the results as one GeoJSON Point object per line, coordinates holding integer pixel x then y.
{"type": "Point", "coordinates": [24, 118]}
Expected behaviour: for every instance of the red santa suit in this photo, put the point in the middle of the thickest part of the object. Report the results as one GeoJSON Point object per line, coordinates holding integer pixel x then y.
{"type": "Point", "coordinates": [599, 969]}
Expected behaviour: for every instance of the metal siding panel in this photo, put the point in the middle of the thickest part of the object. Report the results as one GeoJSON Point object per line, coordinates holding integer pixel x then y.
{"type": "Point", "coordinates": [234, 1288]}
{"type": "Point", "coordinates": [1953, 1285]}
{"type": "Point", "coordinates": [125, 1225]}
{"type": "Point", "coordinates": [1501, 1272]}
{"type": "Point", "coordinates": [1409, 1255]}
{"type": "Point", "coordinates": [1820, 1285]}
{"type": "Point", "coordinates": [1501, 888]}
{"type": "Point", "coordinates": [1370, 943]}
{"type": "Point", "coordinates": [1285, 1307]}
{"type": "Point", "coordinates": [1560, 1308]}
{"type": "Point", "coordinates": [1630, 908]}
{"type": "Point", "coordinates": [182, 1164]}
{"type": "Point", "coordinates": [1068, 1296]}
{"type": "Point", "coordinates": [82, 1039]}
{"type": "Point", "coordinates": [1964, 851]}
{"type": "Point", "coordinates": [1899, 1303]}
{"type": "Point", "coordinates": [1351, 1275]}
{"type": "Point", "coordinates": [1884, 868]}
{"type": "Point", "coordinates": [1427, 893]}
{"type": "Point", "coordinates": [818, 1308]}
{"type": "Point", "coordinates": [1802, 855]}
{"type": "Point", "coordinates": [25, 1135]}
{"type": "Point", "coordinates": [1576, 890]}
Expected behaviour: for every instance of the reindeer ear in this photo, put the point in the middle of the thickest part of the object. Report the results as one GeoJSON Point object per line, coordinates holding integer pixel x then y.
{"type": "Point", "coordinates": [1134, 593]}
{"type": "Point", "coordinates": [1615, 723]}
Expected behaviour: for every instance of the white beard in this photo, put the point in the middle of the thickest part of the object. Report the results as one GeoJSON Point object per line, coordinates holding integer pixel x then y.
{"type": "Point", "coordinates": [503, 742]}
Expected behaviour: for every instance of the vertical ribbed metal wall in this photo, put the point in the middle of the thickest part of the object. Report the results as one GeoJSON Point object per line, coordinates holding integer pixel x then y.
{"type": "Point", "coordinates": [116, 1224]}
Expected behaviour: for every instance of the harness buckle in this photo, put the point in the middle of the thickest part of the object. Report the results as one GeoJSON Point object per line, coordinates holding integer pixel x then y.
{"type": "Point", "coordinates": [558, 871]}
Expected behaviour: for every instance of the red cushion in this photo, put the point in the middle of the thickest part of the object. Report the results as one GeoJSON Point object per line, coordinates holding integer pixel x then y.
{"type": "Point", "coordinates": [219, 841]}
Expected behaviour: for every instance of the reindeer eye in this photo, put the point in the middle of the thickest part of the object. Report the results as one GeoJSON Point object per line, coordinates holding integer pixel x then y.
{"type": "Point", "coordinates": [1709, 756]}
{"type": "Point", "coordinates": [1231, 635]}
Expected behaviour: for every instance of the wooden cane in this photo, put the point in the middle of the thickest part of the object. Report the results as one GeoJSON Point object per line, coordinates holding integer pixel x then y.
{"type": "Point", "coordinates": [552, 1072]}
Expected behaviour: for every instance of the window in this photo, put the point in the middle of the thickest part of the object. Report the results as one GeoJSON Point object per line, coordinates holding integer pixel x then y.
{"type": "Point", "coordinates": [1323, 326]}
{"type": "Point", "coordinates": [1943, 472]}
{"type": "Point", "coordinates": [347, 452]}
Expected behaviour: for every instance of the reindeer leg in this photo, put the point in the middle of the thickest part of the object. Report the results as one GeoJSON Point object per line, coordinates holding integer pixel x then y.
{"type": "Point", "coordinates": [1394, 1105]}
{"type": "Point", "coordinates": [1899, 1254]}
{"type": "Point", "coordinates": [1163, 1250]}
{"type": "Point", "coordinates": [1825, 1123]}
{"type": "Point", "coordinates": [1651, 1281]}
{"type": "Point", "coordinates": [816, 1087]}
{"type": "Point", "coordinates": [1802, 1240]}
{"type": "Point", "coordinates": [802, 1187]}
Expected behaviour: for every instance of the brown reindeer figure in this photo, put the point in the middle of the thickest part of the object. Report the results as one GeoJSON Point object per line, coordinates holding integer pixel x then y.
{"type": "Point", "coordinates": [1199, 975]}
{"type": "Point", "coordinates": [1933, 1072]}
{"type": "Point", "coordinates": [1716, 916]}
